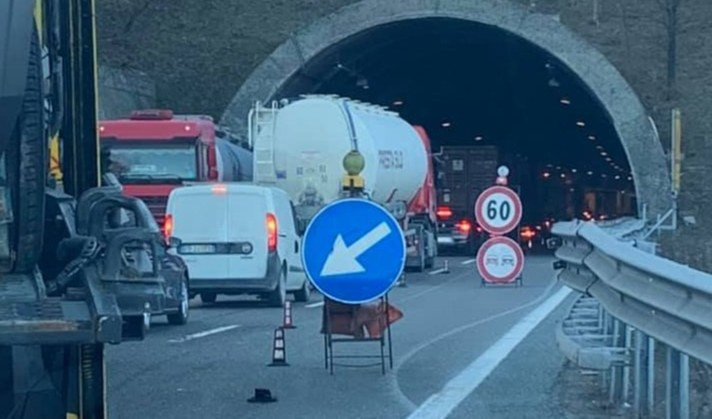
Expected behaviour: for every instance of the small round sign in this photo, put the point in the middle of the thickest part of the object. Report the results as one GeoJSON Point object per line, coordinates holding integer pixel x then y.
{"type": "Point", "coordinates": [503, 171]}
{"type": "Point", "coordinates": [500, 260]}
{"type": "Point", "coordinates": [498, 210]}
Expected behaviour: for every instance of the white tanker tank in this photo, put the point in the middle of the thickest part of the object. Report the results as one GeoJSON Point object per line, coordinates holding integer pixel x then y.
{"type": "Point", "coordinates": [300, 147]}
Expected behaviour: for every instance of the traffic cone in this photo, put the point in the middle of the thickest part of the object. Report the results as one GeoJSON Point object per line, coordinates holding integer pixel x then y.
{"type": "Point", "coordinates": [287, 323]}
{"type": "Point", "coordinates": [279, 350]}
{"type": "Point", "coordinates": [446, 268]}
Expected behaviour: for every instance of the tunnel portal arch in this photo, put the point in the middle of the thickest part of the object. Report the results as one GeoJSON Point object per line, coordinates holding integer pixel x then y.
{"type": "Point", "coordinates": [627, 114]}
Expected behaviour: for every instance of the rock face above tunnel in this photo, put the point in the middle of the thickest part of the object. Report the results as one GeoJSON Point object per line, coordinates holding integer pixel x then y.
{"type": "Point", "coordinates": [278, 76]}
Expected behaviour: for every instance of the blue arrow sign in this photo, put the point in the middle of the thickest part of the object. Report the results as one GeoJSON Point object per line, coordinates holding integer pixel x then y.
{"type": "Point", "coordinates": [353, 251]}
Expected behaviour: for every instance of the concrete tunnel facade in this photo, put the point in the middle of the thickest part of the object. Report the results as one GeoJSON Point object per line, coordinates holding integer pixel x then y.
{"type": "Point", "coordinates": [274, 78]}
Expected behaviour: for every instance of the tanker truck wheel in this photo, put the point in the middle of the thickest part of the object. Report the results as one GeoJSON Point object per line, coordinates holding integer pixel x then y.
{"type": "Point", "coordinates": [26, 165]}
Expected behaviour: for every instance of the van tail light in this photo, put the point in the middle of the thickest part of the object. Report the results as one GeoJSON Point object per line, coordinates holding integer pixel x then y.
{"type": "Point", "coordinates": [167, 227]}
{"type": "Point", "coordinates": [464, 226]}
{"type": "Point", "coordinates": [444, 213]}
{"type": "Point", "coordinates": [271, 232]}
{"type": "Point", "coordinates": [212, 163]}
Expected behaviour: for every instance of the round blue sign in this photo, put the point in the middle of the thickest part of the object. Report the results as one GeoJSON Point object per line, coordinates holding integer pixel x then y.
{"type": "Point", "coordinates": [353, 251]}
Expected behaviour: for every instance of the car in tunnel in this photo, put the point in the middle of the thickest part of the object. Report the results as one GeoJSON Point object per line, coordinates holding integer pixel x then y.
{"type": "Point", "coordinates": [458, 235]}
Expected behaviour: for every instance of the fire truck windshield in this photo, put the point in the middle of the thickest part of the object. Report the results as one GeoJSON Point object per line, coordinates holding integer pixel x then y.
{"type": "Point", "coordinates": [134, 162]}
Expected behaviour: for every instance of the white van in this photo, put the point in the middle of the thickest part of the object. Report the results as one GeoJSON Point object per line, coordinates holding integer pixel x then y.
{"type": "Point", "coordinates": [237, 238]}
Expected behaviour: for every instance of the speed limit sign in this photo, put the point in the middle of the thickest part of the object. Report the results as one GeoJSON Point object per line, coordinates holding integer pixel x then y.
{"type": "Point", "coordinates": [498, 210]}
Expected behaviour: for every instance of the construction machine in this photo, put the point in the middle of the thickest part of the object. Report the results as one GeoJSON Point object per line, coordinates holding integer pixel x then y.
{"type": "Point", "coordinates": [65, 271]}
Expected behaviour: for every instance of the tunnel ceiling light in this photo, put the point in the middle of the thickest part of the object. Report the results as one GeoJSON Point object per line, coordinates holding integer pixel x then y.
{"type": "Point", "coordinates": [563, 176]}
{"type": "Point", "coordinates": [590, 173]}
{"type": "Point", "coordinates": [572, 190]}
{"type": "Point", "coordinates": [549, 165]}
{"type": "Point", "coordinates": [558, 167]}
{"type": "Point", "coordinates": [446, 124]}
{"type": "Point", "coordinates": [478, 138]}
{"type": "Point", "coordinates": [608, 158]}
{"type": "Point", "coordinates": [630, 177]}
{"type": "Point", "coordinates": [573, 170]}
{"type": "Point", "coordinates": [592, 137]}
{"type": "Point", "coordinates": [618, 177]}
{"type": "Point", "coordinates": [397, 103]}
{"type": "Point", "coordinates": [362, 82]}
{"type": "Point", "coordinates": [603, 153]}
{"type": "Point", "coordinates": [603, 175]}
{"type": "Point", "coordinates": [599, 147]}
{"type": "Point", "coordinates": [581, 123]}
{"type": "Point", "coordinates": [565, 101]}
{"type": "Point", "coordinates": [546, 175]}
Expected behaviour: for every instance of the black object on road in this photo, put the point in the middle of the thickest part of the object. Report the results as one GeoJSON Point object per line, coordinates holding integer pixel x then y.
{"type": "Point", "coordinates": [262, 395]}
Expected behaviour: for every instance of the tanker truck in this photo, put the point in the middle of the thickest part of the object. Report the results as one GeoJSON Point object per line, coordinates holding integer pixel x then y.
{"type": "Point", "coordinates": [299, 146]}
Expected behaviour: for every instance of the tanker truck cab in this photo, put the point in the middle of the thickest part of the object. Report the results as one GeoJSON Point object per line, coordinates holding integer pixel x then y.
{"type": "Point", "coordinates": [237, 238]}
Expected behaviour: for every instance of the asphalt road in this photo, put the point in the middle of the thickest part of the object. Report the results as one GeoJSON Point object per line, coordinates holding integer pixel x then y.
{"type": "Point", "coordinates": [211, 366]}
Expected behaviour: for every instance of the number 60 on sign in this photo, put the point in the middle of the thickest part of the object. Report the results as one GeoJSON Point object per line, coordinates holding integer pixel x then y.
{"type": "Point", "coordinates": [498, 210]}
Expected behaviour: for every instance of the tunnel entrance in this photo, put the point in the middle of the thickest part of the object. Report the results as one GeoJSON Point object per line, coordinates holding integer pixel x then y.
{"type": "Point", "coordinates": [570, 128]}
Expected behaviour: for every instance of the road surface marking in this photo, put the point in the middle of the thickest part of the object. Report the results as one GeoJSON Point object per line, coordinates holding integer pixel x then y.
{"type": "Point", "coordinates": [468, 261]}
{"type": "Point", "coordinates": [342, 259]}
{"type": "Point", "coordinates": [437, 271]}
{"type": "Point", "coordinates": [441, 404]}
{"type": "Point", "coordinates": [314, 305]}
{"type": "Point", "coordinates": [405, 401]}
{"type": "Point", "coordinates": [204, 334]}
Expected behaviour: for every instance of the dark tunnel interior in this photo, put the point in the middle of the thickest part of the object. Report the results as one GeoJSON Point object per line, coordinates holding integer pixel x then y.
{"type": "Point", "coordinates": [473, 84]}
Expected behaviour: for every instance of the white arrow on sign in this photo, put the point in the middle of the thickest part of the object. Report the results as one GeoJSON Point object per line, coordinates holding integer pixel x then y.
{"type": "Point", "coordinates": [342, 259]}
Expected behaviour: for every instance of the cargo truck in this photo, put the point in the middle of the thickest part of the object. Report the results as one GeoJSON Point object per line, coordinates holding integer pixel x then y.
{"type": "Point", "coordinates": [463, 172]}
{"type": "Point", "coordinates": [154, 151]}
{"type": "Point", "coordinates": [63, 281]}
{"type": "Point", "coordinates": [299, 146]}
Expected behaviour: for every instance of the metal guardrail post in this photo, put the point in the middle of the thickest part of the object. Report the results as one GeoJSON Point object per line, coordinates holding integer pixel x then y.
{"type": "Point", "coordinates": [625, 387]}
{"type": "Point", "coordinates": [677, 386]}
{"type": "Point", "coordinates": [615, 395]}
{"type": "Point", "coordinates": [650, 398]}
{"type": "Point", "coordinates": [641, 376]}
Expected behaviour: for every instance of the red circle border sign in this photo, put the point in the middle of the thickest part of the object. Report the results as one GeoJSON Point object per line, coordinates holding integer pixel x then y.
{"type": "Point", "coordinates": [518, 268]}
{"type": "Point", "coordinates": [479, 204]}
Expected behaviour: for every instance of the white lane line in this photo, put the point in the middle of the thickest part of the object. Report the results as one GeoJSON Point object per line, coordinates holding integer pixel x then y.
{"type": "Point", "coordinates": [468, 261]}
{"type": "Point", "coordinates": [204, 334]}
{"type": "Point", "coordinates": [315, 305]}
{"type": "Point", "coordinates": [441, 404]}
{"type": "Point", "coordinates": [437, 271]}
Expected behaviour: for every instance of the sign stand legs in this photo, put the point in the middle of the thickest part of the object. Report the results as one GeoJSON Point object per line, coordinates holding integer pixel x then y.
{"type": "Point", "coordinates": [346, 319]}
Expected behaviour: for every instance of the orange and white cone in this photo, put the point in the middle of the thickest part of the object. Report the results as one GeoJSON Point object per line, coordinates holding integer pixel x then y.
{"type": "Point", "coordinates": [288, 322]}
{"type": "Point", "coordinates": [279, 349]}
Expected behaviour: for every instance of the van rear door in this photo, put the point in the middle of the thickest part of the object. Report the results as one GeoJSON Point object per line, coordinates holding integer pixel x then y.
{"type": "Point", "coordinates": [200, 221]}
{"type": "Point", "coordinates": [247, 230]}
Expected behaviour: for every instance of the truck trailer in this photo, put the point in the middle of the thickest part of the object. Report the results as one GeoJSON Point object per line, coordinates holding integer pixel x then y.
{"type": "Point", "coordinates": [299, 146]}
{"type": "Point", "coordinates": [463, 172]}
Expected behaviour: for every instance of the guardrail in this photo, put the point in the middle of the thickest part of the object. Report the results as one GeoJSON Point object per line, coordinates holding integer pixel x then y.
{"type": "Point", "coordinates": [638, 299]}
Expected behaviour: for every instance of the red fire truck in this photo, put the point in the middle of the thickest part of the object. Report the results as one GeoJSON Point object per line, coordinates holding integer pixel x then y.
{"type": "Point", "coordinates": [154, 151]}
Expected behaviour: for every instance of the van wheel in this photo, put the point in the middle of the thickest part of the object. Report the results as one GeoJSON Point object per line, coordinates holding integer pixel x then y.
{"type": "Point", "coordinates": [208, 297]}
{"type": "Point", "coordinates": [181, 317]}
{"type": "Point", "coordinates": [304, 293]}
{"type": "Point", "coordinates": [278, 297]}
